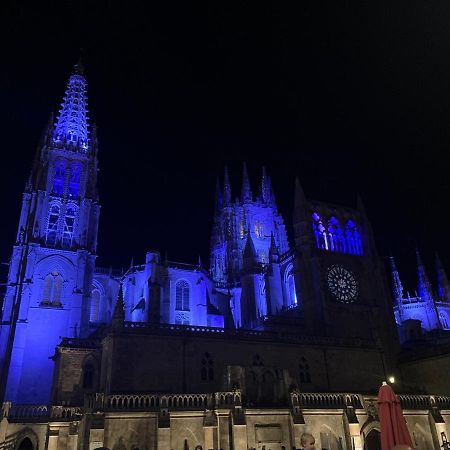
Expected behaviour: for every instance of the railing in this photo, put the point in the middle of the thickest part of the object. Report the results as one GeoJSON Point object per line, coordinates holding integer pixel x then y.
{"type": "Point", "coordinates": [29, 412]}
{"type": "Point", "coordinates": [326, 400]}
{"type": "Point", "coordinates": [33, 413]}
{"type": "Point", "coordinates": [424, 401]}
{"type": "Point", "coordinates": [169, 401]}
{"type": "Point", "coordinates": [226, 400]}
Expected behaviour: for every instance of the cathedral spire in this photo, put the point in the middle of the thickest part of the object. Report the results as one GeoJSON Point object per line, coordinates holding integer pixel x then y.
{"type": "Point", "coordinates": [226, 187]}
{"type": "Point", "coordinates": [442, 280]}
{"type": "Point", "coordinates": [246, 192]}
{"type": "Point", "coordinates": [397, 286]}
{"type": "Point", "coordinates": [71, 125]}
{"type": "Point", "coordinates": [423, 283]}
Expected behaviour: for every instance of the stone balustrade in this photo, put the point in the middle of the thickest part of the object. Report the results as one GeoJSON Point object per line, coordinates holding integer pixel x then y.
{"type": "Point", "coordinates": [37, 413]}
{"type": "Point", "coordinates": [326, 400]}
{"type": "Point", "coordinates": [227, 400]}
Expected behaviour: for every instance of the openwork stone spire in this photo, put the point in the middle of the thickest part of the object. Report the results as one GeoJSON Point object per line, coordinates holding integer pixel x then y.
{"type": "Point", "coordinates": [72, 123]}
{"type": "Point", "coordinates": [397, 286]}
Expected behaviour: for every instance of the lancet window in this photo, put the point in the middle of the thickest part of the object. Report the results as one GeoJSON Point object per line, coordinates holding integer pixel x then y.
{"type": "Point", "coordinates": [51, 294]}
{"type": "Point", "coordinates": [52, 224]}
{"type": "Point", "coordinates": [320, 232]}
{"type": "Point", "coordinates": [305, 375]}
{"type": "Point", "coordinates": [336, 236]}
{"type": "Point", "coordinates": [60, 175]}
{"type": "Point", "coordinates": [74, 180]}
{"type": "Point", "coordinates": [69, 226]}
{"type": "Point", "coordinates": [182, 296]}
{"type": "Point", "coordinates": [291, 289]}
{"type": "Point", "coordinates": [95, 306]}
{"type": "Point", "coordinates": [333, 238]}
{"type": "Point", "coordinates": [207, 368]}
{"type": "Point", "coordinates": [353, 238]}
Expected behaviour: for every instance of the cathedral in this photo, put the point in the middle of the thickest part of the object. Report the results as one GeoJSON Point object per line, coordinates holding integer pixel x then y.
{"type": "Point", "coordinates": [272, 340]}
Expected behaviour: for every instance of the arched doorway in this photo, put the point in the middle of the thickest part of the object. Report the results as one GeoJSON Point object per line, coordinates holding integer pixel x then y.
{"type": "Point", "coordinates": [26, 444]}
{"type": "Point", "coordinates": [372, 440]}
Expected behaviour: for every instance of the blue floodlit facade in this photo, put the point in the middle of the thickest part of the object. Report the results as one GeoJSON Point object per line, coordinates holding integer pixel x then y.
{"type": "Point", "coordinates": [255, 276]}
{"type": "Point", "coordinates": [427, 309]}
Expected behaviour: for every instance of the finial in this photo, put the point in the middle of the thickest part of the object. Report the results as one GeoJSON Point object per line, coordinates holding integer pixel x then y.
{"type": "Point", "coordinates": [78, 68]}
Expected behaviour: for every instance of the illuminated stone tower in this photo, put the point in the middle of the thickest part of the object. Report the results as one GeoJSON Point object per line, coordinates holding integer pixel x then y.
{"type": "Point", "coordinates": [50, 275]}
{"type": "Point", "coordinates": [234, 220]}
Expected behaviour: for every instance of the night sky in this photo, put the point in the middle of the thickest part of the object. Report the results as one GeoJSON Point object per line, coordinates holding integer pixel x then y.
{"type": "Point", "coordinates": [350, 96]}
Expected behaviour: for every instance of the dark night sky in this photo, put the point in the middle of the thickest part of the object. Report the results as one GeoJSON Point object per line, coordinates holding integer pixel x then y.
{"type": "Point", "coordinates": [350, 96]}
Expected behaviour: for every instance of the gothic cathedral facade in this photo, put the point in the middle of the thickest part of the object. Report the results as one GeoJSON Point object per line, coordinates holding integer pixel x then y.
{"type": "Point", "coordinates": [269, 323]}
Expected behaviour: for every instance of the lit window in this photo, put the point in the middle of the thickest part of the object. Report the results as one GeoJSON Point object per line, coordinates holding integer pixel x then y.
{"type": "Point", "coordinates": [182, 296]}
{"type": "Point", "coordinates": [291, 289]}
{"type": "Point", "coordinates": [258, 229]}
{"type": "Point", "coordinates": [69, 225]}
{"type": "Point", "coordinates": [353, 239]}
{"type": "Point", "coordinates": [336, 236]}
{"type": "Point", "coordinates": [319, 232]}
{"type": "Point", "coordinates": [74, 181]}
{"type": "Point", "coordinates": [52, 225]}
{"type": "Point", "coordinates": [60, 174]}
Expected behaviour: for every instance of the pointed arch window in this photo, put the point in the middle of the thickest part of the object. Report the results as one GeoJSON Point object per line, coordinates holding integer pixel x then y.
{"type": "Point", "coordinates": [336, 236]}
{"type": "Point", "coordinates": [52, 225]}
{"type": "Point", "coordinates": [60, 175]}
{"type": "Point", "coordinates": [291, 289]}
{"type": "Point", "coordinates": [94, 315]}
{"type": "Point", "coordinates": [305, 375]}
{"type": "Point", "coordinates": [52, 291]}
{"type": "Point", "coordinates": [207, 368]}
{"type": "Point", "coordinates": [69, 226]}
{"type": "Point", "coordinates": [182, 296]}
{"type": "Point", "coordinates": [319, 232]}
{"type": "Point", "coordinates": [443, 320]}
{"type": "Point", "coordinates": [353, 239]}
{"type": "Point", "coordinates": [74, 180]}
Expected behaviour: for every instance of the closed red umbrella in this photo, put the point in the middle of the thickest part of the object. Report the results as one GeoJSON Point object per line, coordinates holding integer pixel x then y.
{"type": "Point", "coordinates": [393, 430]}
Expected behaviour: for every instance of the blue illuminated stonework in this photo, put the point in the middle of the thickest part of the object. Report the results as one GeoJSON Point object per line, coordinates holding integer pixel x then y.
{"type": "Point", "coordinates": [255, 278]}
{"type": "Point", "coordinates": [425, 310]}
{"type": "Point", "coordinates": [71, 126]}
{"type": "Point", "coordinates": [50, 278]}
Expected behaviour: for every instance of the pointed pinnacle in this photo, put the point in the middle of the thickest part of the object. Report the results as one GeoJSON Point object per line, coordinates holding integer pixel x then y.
{"type": "Point", "coordinates": [246, 193]}
{"type": "Point", "coordinates": [249, 249]}
{"type": "Point", "coordinates": [219, 195]}
{"type": "Point", "coordinates": [226, 187]}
